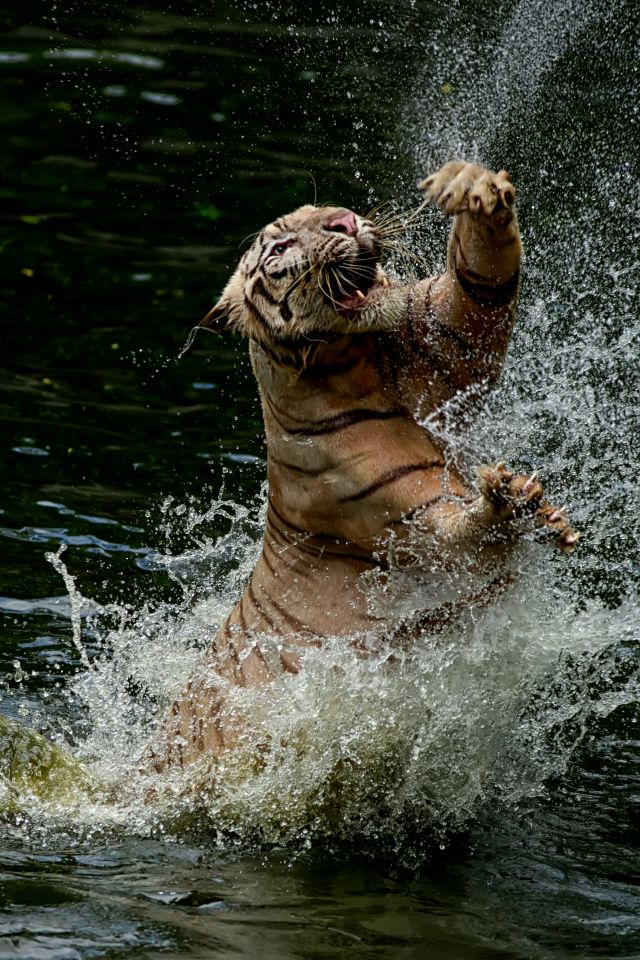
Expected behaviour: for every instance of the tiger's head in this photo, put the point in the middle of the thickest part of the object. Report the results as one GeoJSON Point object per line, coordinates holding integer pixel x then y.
{"type": "Point", "coordinates": [307, 276]}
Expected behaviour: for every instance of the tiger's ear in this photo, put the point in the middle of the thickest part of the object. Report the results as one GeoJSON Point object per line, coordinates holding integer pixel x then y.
{"type": "Point", "coordinates": [219, 317]}
{"type": "Point", "coordinates": [227, 315]}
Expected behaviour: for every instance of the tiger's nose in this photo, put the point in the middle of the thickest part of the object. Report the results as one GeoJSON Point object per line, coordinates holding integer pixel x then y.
{"type": "Point", "coordinates": [345, 223]}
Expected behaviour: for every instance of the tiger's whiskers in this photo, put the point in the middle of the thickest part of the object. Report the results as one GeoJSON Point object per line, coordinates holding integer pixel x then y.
{"type": "Point", "coordinates": [399, 220]}
{"type": "Point", "coordinates": [298, 280]}
{"type": "Point", "coordinates": [327, 292]}
{"type": "Point", "coordinates": [397, 247]}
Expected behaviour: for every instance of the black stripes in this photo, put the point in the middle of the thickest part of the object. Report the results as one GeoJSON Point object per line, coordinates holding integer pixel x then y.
{"type": "Point", "coordinates": [428, 346]}
{"type": "Point", "coordinates": [285, 310]}
{"type": "Point", "coordinates": [326, 425]}
{"type": "Point", "coordinates": [256, 315]}
{"type": "Point", "coordinates": [319, 546]}
{"type": "Point", "coordinates": [345, 420]}
{"type": "Point", "coordinates": [285, 551]}
{"type": "Point", "coordinates": [453, 336]}
{"type": "Point", "coordinates": [260, 289]}
{"type": "Point", "coordinates": [258, 606]}
{"type": "Point", "coordinates": [483, 292]}
{"type": "Point", "coordinates": [280, 274]}
{"type": "Point", "coordinates": [284, 522]}
{"type": "Point", "coordinates": [297, 625]}
{"type": "Point", "coordinates": [411, 514]}
{"type": "Point", "coordinates": [301, 471]}
{"type": "Point", "coordinates": [391, 477]}
{"type": "Point", "coordinates": [486, 294]}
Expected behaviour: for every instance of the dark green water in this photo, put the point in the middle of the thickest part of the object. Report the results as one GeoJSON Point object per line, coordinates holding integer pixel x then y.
{"type": "Point", "coordinates": [141, 145]}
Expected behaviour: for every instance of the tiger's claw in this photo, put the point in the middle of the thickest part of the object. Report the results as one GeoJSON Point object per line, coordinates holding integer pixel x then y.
{"type": "Point", "coordinates": [553, 522]}
{"type": "Point", "coordinates": [519, 497]}
{"type": "Point", "coordinates": [460, 187]}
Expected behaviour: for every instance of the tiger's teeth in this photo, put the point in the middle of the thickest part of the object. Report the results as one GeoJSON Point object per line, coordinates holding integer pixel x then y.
{"type": "Point", "coordinates": [360, 295]}
{"type": "Point", "coordinates": [385, 282]}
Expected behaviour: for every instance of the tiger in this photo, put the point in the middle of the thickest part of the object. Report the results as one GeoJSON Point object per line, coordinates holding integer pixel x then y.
{"type": "Point", "coordinates": [350, 364]}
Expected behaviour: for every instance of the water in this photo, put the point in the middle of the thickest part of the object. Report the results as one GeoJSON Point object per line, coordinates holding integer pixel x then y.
{"type": "Point", "coordinates": [477, 797]}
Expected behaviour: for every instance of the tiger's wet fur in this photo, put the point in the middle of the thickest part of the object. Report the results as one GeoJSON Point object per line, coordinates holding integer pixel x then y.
{"type": "Point", "coordinates": [348, 365]}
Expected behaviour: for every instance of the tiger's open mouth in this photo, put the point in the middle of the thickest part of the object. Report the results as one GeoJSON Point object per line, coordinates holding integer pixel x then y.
{"type": "Point", "coordinates": [350, 283]}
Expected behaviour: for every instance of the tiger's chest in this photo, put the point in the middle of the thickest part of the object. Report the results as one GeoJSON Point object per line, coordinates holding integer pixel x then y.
{"type": "Point", "coordinates": [346, 455]}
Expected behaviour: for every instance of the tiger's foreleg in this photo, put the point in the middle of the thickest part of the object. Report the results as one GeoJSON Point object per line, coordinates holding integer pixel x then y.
{"type": "Point", "coordinates": [477, 296]}
{"type": "Point", "coordinates": [508, 506]}
{"type": "Point", "coordinates": [484, 244]}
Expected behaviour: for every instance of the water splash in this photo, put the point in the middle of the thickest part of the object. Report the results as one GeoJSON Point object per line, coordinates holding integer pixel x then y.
{"type": "Point", "coordinates": [484, 74]}
{"type": "Point", "coordinates": [76, 603]}
{"type": "Point", "coordinates": [380, 748]}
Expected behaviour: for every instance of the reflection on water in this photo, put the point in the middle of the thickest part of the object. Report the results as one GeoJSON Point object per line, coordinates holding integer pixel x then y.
{"type": "Point", "coordinates": [143, 145]}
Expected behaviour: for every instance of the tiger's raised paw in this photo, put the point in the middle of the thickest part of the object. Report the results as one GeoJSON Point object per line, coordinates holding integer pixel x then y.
{"type": "Point", "coordinates": [467, 187]}
{"type": "Point", "coordinates": [512, 497]}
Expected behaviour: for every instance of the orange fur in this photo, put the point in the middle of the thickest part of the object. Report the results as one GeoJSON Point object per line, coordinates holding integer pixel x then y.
{"type": "Point", "coordinates": [347, 366]}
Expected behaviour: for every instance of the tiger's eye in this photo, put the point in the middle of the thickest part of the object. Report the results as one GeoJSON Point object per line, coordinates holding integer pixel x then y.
{"type": "Point", "coordinates": [280, 248]}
